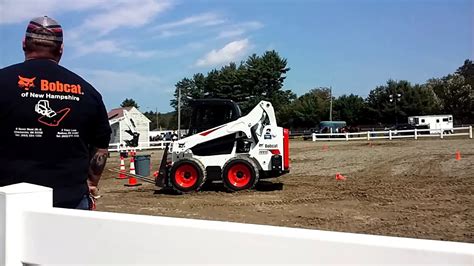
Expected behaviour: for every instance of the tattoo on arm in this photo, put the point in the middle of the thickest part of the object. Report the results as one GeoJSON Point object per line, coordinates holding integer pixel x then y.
{"type": "Point", "coordinates": [97, 165]}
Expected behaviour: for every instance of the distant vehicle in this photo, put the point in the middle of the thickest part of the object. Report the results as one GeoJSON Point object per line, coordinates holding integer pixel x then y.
{"type": "Point", "coordinates": [434, 122]}
{"type": "Point", "coordinates": [331, 126]}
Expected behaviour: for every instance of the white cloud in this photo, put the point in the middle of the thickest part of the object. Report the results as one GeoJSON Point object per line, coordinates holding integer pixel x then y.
{"type": "Point", "coordinates": [128, 14]}
{"type": "Point", "coordinates": [230, 33]}
{"type": "Point", "coordinates": [202, 20]}
{"type": "Point", "coordinates": [229, 53]}
{"type": "Point", "coordinates": [123, 49]}
{"type": "Point", "coordinates": [16, 11]}
{"type": "Point", "coordinates": [110, 47]}
{"type": "Point", "coordinates": [119, 82]}
{"type": "Point", "coordinates": [239, 29]}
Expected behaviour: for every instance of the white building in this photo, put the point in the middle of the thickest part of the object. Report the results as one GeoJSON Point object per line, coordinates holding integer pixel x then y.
{"type": "Point", "coordinates": [129, 119]}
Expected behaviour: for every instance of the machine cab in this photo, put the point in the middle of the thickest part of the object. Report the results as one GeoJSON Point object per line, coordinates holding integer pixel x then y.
{"type": "Point", "coordinates": [209, 113]}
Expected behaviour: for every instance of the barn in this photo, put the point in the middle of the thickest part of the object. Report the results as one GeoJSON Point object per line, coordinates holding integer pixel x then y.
{"type": "Point", "coordinates": [132, 120]}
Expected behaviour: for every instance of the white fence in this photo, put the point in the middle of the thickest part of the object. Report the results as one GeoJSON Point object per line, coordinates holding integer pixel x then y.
{"type": "Point", "coordinates": [150, 145]}
{"type": "Point", "coordinates": [34, 233]}
{"type": "Point", "coordinates": [395, 134]}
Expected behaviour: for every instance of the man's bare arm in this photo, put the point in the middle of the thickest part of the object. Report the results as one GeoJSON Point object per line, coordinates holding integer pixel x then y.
{"type": "Point", "coordinates": [96, 168]}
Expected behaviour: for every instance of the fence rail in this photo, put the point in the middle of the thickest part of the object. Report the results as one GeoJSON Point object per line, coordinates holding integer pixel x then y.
{"type": "Point", "coordinates": [32, 232]}
{"type": "Point", "coordinates": [395, 134]}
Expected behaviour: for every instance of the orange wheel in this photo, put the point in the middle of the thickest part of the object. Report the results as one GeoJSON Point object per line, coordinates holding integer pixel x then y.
{"type": "Point", "coordinates": [240, 173]}
{"type": "Point", "coordinates": [187, 175]}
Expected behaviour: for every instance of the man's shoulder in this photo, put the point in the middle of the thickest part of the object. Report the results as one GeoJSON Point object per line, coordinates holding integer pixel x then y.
{"type": "Point", "coordinates": [11, 68]}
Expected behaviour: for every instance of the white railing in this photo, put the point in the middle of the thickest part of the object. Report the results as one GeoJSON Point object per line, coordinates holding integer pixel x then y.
{"type": "Point", "coordinates": [150, 145]}
{"type": "Point", "coordinates": [33, 232]}
{"type": "Point", "coordinates": [395, 134]}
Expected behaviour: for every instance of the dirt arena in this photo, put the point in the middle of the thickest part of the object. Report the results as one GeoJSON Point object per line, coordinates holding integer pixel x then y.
{"type": "Point", "coordinates": [401, 188]}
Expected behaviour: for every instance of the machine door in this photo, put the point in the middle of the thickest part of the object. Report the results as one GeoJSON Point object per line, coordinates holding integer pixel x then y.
{"type": "Point", "coordinates": [212, 113]}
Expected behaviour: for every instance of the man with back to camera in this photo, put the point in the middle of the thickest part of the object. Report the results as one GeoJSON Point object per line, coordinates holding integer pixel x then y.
{"type": "Point", "coordinates": [54, 129]}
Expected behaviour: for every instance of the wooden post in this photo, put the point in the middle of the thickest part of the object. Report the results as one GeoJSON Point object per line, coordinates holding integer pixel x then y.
{"type": "Point", "coordinates": [470, 132]}
{"type": "Point", "coordinates": [416, 135]}
{"type": "Point", "coordinates": [390, 134]}
{"type": "Point", "coordinates": [368, 135]}
{"type": "Point", "coordinates": [347, 136]}
{"type": "Point", "coordinates": [441, 133]}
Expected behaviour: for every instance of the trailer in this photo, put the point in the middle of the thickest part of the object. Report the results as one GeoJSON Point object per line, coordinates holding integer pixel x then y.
{"type": "Point", "coordinates": [435, 123]}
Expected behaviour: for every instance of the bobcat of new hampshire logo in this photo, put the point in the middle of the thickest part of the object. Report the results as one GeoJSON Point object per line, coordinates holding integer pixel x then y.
{"type": "Point", "coordinates": [26, 83]}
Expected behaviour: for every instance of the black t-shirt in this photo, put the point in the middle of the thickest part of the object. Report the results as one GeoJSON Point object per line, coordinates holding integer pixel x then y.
{"type": "Point", "coordinates": [49, 120]}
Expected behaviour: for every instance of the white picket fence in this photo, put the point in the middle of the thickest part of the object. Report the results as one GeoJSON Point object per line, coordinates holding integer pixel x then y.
{"type": "Point", "coordinates": [150, 145]}
{"type": "Point", "coordinates": [394, 134]}
{"type": "Point", "coordinates": [34, 233]}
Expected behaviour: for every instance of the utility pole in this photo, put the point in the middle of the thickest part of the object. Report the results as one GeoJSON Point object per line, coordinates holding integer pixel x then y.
{"type": "Point", "coordinates": [395, 98]}
{"type": "Point", "coordinates": [157, 121]}
{"type": "Point", "coordinates": [330, 103]}
{"type": "Point", "coordinates": [179, 112]}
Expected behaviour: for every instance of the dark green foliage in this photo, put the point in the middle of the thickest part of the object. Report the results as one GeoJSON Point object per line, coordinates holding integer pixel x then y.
{"type": "Point", "coordinates": [397, 100]}
{"type": "Point", "coordinates": [258, 78]}
{"type": "Point", "coordinates": [350, 108]}
{"type": "Point", "coordinates": [129, 103]}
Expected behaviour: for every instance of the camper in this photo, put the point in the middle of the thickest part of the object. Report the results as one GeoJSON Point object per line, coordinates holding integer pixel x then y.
{"type": "Point", "coordinates": [434, 122]}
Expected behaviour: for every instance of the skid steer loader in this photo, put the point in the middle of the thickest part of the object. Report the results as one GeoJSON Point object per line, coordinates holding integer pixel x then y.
{"type": "Point", "coordinates": [237, 150]}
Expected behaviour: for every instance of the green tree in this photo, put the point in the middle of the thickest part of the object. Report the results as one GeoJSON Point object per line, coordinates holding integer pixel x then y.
{"type": "Point", "coordinates": [467, 71]}
{"type": "Point", "coordinates": [129, 103]}
{"type": "Point", "coordinates": [395, 101]}
{"type": "Point", "coordinates": [258, 78]}
{"type": "Point", "coordinates": [350, 108]}
{"type": "Point", "coordinates": [455, 97]}
{"type": "Point", "coordinates": [311, 108]}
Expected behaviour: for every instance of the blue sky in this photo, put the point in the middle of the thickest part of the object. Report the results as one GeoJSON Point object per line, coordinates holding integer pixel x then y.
{"type": "Point", "coordinates": [139, 49]}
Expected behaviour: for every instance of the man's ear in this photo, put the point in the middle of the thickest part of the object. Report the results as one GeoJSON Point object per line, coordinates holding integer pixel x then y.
{"type": "Point", "coordinates": [23, 45]}
{"type": "Point", "coordinates": [62, 49]}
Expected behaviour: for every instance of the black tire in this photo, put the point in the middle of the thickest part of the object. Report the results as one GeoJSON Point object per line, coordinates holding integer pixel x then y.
{"type": "Point", "coordinates": [187, 175]}
{"type": "Point", "coordinates": [240, 173]}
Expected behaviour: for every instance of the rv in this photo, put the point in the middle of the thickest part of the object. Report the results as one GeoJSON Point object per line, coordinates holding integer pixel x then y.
{"type": "Point", "coordinates": [434, 122]}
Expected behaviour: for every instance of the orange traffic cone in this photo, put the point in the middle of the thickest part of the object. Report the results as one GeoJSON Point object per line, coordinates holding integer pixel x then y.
{"type": "Point", "coordinates": [132, 181]}
{"type": "Point", "coordinates": [458, 155]}
{"type": "Point", "coordinates": [340, 177]}
{"type": "Point", "coordinates": [122, 169]}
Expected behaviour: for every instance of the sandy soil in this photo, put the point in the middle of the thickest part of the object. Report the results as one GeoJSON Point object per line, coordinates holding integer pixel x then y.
{"type": "Point", "coordinates": [401, 188]}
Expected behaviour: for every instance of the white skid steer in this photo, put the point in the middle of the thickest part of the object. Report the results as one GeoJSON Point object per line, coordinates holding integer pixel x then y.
{"type": "Point", "coordinates": [238, 153]}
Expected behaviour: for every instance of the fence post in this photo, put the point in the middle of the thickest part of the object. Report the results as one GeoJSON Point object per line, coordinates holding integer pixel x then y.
{"type": "Point", "coordinates": [470, 132]}
{"type": "Point", "coordinates": [313, 136]}
{"type": "Point", "coordinates": [368, 135]}
{"type": "Point", "coordinates": [441, 133]}
{"type": "Point", "coordinates": [416, 135]}
{"type": "Point", "coordinates": [347, 136]}
{"type": "Point", "coordinates": [390, 134]}
{"type": "Point", "coordinates": [14, 200]}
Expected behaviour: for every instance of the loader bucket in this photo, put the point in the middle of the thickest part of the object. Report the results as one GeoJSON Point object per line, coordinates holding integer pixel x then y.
{"type": "Point", "coordinates": [160, 180]}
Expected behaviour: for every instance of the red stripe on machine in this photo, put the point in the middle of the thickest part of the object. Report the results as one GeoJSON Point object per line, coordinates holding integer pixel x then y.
{"type": "Point", "coordinates": [286, 148]}
{"type": "Point", "coordinates": [205, 133]}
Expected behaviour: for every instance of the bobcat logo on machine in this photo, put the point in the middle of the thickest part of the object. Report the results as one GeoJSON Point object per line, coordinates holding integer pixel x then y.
{"type": "Point", "coordinates": [26, 83]}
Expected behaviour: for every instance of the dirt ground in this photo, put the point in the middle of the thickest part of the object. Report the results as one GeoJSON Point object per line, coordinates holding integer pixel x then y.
{"type": "Point", "coordinates": [401, 188]}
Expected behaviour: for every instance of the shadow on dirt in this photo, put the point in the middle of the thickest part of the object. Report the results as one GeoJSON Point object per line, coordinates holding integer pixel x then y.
{"type": "Point", "coordinates": [262, 186]}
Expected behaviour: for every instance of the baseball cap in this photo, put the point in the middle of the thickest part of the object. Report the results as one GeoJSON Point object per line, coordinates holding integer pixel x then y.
{"type": "Point", "coordinates": [44, 28]}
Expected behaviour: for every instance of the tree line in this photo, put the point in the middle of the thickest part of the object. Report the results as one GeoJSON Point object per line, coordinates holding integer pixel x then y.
{"type": "Point", "coordinates": [262, 78]}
